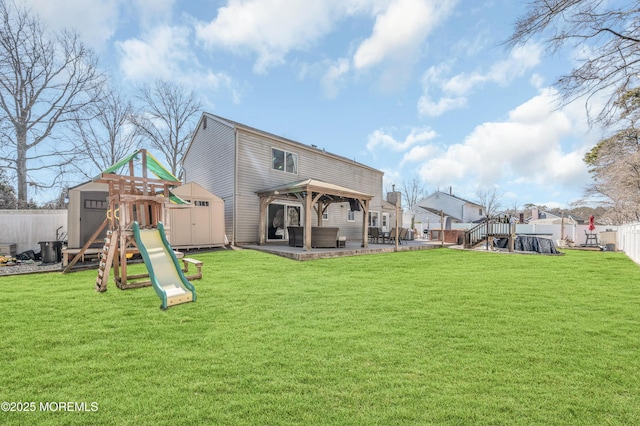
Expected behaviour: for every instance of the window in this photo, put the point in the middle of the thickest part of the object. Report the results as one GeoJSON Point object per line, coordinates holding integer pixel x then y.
{"type": "Point", "coordinates": [284, 161]}
{"type": "Point", "coordinates": [96, 204]}
{"type": "Point", "coordinates": [385, 221]}
{"type": "Point", "coordinates": [373, 219]}
{"type": "Point", "coordinates": [325, 216]}
{"type": "Point", "coordinates": [201, 203]}
{"type": "Point", "coordinates": [351, 216]}
{"type": "Point", "coordinates": [480, 212]}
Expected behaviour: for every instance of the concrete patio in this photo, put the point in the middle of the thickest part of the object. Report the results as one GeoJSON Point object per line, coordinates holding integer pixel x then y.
{"type": "Point", "coordinates": [352, 248]}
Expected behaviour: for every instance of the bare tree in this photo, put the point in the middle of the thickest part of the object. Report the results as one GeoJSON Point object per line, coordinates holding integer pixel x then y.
{"type": "Point", "coordinates": [607, 33]}
{"type": "Point", "coordinates": [168, 119]}
{"type": "Point", "coordinates": [412, 191]}
{"type": "Point", "coordinates": [45, 79]}
{"type": "Point", "coordinates": [108, 137]}
{"type": "Point", "coordinates": [489, 199]}
{"type": "Point", "coordinates": [615, 167]}
{"type": "Point", "coordinates": [614, 163]}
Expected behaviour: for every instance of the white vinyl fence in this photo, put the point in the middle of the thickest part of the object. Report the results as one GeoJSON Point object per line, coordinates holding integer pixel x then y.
{"type": "Point", "coordinates": [628, 240]}
{"type": "Point", "coordinates": [26, 228]}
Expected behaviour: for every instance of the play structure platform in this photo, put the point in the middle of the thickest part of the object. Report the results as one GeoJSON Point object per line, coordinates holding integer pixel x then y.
{"type": "Point", "coordinates": [167, 278]}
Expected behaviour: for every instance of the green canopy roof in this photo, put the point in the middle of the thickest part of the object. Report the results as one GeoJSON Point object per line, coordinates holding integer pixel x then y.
{"type": "Point", "coordinates": [153, 166]}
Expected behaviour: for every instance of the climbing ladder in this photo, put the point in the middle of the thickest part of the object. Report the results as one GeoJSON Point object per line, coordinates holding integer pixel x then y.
{"type": "Point", "coordinates": [106, 260]}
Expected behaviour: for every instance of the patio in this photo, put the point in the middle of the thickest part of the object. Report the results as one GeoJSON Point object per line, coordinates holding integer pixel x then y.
{"type": "Point", "coordinates": [351, 248]}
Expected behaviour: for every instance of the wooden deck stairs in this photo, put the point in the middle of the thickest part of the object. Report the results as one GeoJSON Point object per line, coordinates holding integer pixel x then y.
{"type": "Point", "coordinates": [479, 234]}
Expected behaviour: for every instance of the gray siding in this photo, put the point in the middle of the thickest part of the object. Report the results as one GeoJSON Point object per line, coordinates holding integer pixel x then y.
{"type": "Point", "coordinates": [210, 162]}
{"type": "Point", "coordinates": [255, 173]}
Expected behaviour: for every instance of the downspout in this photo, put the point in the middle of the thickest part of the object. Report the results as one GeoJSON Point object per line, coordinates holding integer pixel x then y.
{"type": "Point", "coordinates": [235, 186]}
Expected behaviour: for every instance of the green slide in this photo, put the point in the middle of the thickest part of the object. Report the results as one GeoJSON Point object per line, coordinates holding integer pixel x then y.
{"type": "Point", "coordinates": [165, 273]}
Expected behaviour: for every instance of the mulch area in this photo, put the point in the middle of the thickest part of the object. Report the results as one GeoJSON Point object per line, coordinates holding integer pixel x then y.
{"type": "Point", "coordinates": [32, 267]}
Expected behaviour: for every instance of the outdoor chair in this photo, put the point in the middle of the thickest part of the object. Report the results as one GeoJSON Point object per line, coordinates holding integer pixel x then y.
{"type": "Point", "coordinates": [402, 235]}
{"type": "Point", "coordinates": [392, 235]}
{"type": "Point", "coordinates": [592, 239]}
{"type": "Point", "coordinates": [374, 235]}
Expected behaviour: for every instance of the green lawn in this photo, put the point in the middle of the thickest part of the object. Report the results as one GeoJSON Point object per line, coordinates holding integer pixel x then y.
{"type": "Point", "coordinates": [424, 337]}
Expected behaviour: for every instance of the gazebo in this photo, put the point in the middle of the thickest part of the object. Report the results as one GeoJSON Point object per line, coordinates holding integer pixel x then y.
{"type": "Point", "coordinates": [317, 194]}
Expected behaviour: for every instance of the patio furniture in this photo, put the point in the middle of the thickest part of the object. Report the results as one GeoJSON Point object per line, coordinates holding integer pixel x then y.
{"type": "Point", "coordinates": [324, 236]}
{"type": "Point", "coordinates": [374, 234]}
{"type": "Point", "coordinates": [592, 239]}
{"type": "Point", "coordinates": [321, 236]}
{"type": "Point", "coordinates": [296, 236]}
{"type": "Point", "coordinates": [402, 235]}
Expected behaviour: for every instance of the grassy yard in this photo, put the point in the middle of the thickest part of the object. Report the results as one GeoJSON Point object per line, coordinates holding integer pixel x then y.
{"type": "Point", "coordinates": [432, 337]}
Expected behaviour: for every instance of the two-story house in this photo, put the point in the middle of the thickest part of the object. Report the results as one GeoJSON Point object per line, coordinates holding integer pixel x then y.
{"type": "Point", "coordinates": [250, 169]}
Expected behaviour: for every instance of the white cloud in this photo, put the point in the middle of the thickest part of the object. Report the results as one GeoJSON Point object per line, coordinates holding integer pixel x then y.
{"type": "Point", "coordinates": [527, 147]}
{"type": "Point", "coordinates": [419, 153]}
{"type": "Point", "coordinates": [164, 53]}
{"type": "Point", "coordinates": [158, 54]}
{"type": "Point", "coordinates": [334, 78]}
{"type": "Point", "coordinates": [400, 30]}
{"type": "Point", "coordinates": [95, 21]}
{"type": "Point", "coordinates": [270, 28]}
{"type": "Point", "coordinates": [150, 12]}
{"type": "Point", "coordinates": [433, 109]}
{"type": "Point", "coordinates": [455, 89]}
{"type": "Point", "coordinates": [381, 140]}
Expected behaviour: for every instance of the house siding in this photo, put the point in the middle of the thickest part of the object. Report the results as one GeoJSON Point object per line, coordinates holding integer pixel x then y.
{"type": "Point", "coordinates": [251, 166]}
{"type": "Point", "coordinates": [440, 201]}
{"type": "Point", "coordinates": [215, 173]}
{"type": "Point", "coordinates": [453, 206]}
{"type": "Point", "coordinates": [255, 173]}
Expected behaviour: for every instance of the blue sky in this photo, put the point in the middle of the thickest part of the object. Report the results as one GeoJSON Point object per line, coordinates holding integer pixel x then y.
{"type": "Point", "coordinates": [411, 87]}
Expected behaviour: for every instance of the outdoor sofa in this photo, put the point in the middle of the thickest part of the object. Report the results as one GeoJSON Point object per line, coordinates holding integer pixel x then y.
{"type": "Point", "coordinates": [321, 236]}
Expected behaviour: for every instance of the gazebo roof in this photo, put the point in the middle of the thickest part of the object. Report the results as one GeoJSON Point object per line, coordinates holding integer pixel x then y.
{"type": "Point", "coordinates": [330, 191]}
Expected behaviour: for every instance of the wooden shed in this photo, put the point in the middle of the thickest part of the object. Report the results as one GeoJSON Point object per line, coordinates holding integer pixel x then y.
{"type": "Point", "coordinates": [201, 223]}
{"type": "Point", "coordinates": [88, 204]}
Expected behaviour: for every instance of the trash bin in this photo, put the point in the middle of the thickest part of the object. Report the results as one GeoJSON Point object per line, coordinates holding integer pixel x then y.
{"type": "Point", "coordinates": [51, 251]}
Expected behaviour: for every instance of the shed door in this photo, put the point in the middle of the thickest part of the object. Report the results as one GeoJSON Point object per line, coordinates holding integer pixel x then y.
{"type": "Point", "coordinates": [93, 211]}
{"type": "Point", "coordinates": [201, 222]}
{"type": "Point", "coordinates": [181, 227]}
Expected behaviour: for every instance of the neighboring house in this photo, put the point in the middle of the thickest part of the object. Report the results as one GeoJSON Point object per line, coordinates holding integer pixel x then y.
{"type": "Point", "coordinates": [236, 162]}
{"type": "Point", "coordinates": [456, 209]}
{"type": "Point", "coordinates": [548, 218]}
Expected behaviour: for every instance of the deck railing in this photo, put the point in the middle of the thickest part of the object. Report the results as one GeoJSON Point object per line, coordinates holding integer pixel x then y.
{"type": "Point", "coordinates": [489, 228]}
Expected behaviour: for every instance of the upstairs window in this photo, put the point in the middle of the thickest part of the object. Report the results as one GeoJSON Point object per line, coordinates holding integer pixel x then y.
{"type": "Point", "coordinates": [284, 161]}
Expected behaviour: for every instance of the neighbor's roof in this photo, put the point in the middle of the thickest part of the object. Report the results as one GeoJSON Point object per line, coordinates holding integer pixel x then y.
{"type": "Point", "coordinates": [437, 213]}
{"type": "Point", "coordinates": [456, 197]}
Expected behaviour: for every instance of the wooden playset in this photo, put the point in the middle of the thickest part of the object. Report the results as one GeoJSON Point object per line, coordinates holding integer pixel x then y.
{"type": "Point", "coordinates": [132, 198]}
